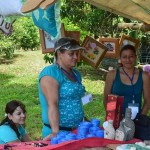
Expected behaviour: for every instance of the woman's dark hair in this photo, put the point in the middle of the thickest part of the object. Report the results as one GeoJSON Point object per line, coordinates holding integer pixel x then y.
{"type": "Point", "coordinates": [61, 50]}
{"type": "Point", "coordinates": [9, 109]}
{"type": "Point", "coordinates": [126, 47]}
{"type": "Point", "coordinates": [66, 43]}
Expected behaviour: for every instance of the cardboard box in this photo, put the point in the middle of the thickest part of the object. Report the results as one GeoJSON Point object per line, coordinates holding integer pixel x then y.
{"type": "Point", "coordinates": [114, 109]}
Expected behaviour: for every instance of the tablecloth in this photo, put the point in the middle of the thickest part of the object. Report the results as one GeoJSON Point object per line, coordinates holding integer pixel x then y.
{"type": "Point", "coordinates": [69, 145]}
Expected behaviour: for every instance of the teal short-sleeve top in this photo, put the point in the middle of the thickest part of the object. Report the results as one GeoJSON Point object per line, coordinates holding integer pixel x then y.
{"type": "Point", "coordinates": [7, 134]}
{"type": "Point", "coordinates": [70, 94]}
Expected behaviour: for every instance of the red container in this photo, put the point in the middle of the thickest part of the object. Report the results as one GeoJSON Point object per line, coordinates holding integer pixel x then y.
{"type": "Point", "coordinates": [114, 109]}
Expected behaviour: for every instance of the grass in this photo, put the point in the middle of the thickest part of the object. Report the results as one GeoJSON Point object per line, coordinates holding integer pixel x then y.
{"type": "Point", "coordinates": [19, 78]}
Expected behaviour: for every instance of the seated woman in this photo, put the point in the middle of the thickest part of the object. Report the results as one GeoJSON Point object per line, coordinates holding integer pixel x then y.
{"type": "Point", "coordinates": [128, 81]}
{"type": "Point", "coordinates": [11, 128]}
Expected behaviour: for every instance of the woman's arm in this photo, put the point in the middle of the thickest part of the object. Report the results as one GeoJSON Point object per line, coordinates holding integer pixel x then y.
{"type": "Point", "coordinates": [108, 85]}
{"type": "Point", "coordinates": [49, 88]}
{"type": "Point", "coordinates": [146, 93]}
{"type": "Point", "coordinates": [26, 138]}
{"type": "Point", "coordinates": [15, 141]}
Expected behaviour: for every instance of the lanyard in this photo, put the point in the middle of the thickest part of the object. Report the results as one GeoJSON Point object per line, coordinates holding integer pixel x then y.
{"type": "Point", "coordinates": [73, 75]}
{"type": "Point", "coordinates": [131, 80]}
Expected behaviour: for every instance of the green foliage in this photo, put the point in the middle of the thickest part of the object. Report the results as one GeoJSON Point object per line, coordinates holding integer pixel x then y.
{"type": "Point", "coordinates": [97, 22]}
{"type": "Point", "coordinates": [90, 18]}
{"type": "Point", "coordinates": [92, 21]}
{"type": "Point", "coordinates": [25, 35]}
{"type": "Point", "coordinates": [70, 26]}
{"type": "Point", "coordinates": [7, 46]}
{"type": "Point", "coordinates": [49, 58]}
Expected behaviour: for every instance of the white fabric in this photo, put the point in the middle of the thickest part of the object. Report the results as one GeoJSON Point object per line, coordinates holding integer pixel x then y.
{"type": "Point", "coordinates": [10, 7]}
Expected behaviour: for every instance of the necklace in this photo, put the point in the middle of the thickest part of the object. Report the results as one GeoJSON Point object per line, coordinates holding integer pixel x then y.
{"type": "Point", "coordinates": [71, 75]}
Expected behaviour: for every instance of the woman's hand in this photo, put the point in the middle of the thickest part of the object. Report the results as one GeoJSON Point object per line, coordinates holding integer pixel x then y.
{"type": "Point", "coordinates": [47, 138]}
{"type": "Point", "coordinates": [85, 119]}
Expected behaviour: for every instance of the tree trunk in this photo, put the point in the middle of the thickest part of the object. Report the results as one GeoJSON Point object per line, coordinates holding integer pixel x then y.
{"type": "Point", "coordinates": [135, 26]}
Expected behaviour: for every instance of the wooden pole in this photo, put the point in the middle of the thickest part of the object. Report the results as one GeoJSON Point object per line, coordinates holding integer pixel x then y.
{"type": "Point", "coordinates": [134, 26]}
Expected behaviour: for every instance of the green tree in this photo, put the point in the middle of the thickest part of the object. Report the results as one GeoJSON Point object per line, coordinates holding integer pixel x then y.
{"type": "Point", "coordinates": [90, 18]}
{"type": "Point", "coordinates": [25, 35]}
{"type": "Point", "coordinates": [7, 46]}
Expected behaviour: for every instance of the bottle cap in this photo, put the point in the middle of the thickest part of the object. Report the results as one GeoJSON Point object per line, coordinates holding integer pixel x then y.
{"type": "Point", "coordinates": [79, 137]}
{"type": "Point", "coordinates": [70, 136]}
{"type": "Point", "coordinates": [62, 140]}
{"type": "Point", "coordinates": [90, 135]}
{"type": "Point", "coordinates": [95, 122]}
{"type": "Point", "coordinates": [93, 130]}
{"type": "Point", "coordinates": [62, 134]}
{"type": "Point", "coordinates": [86, 124]}
{"type": "Point", "coordinates": [100, 133]}
{"type": "Point", "coordinates": [54, 140]}
{"type": "Point", "coordinates": [83, 130]}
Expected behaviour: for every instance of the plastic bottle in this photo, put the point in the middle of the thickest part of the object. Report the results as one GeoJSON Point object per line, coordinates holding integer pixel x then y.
{"type": "Point", "coordinates": [121, 133]}
{"type": "Point", "coordinates": [109, 131]}
{"type": "Point", "coordinates": [128, 124]}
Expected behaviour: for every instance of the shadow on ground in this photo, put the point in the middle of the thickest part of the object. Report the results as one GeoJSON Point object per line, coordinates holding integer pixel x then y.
{"type": "Point", "coordinates": [4, 60]}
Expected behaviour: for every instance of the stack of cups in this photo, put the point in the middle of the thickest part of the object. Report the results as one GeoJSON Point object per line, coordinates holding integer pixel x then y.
{"type": "Point", "coordinates": [61, 137]}
{"type": "Point", "coordinates": [95, 122]}
{"type": "Point", "coordinates": [95, 129]}
{"type": "Point", "coordinates": [71, 136]}
{"type": "Point", "coordinates": [85, 130]}
{"type": "Point", "coordinates": [54, 140]}
{"type": "Point", "coordinates": [90, 129]}
{"type": "Point", "coordinates": [100, 133]}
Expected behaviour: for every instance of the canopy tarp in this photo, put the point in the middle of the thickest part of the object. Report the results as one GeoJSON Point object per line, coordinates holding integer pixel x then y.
{"type": "Point", "coordinates": [133, 9]}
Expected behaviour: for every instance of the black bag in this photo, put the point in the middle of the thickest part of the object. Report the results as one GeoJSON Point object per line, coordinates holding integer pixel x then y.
{"type": "Point", "coordinates": [142, 127]}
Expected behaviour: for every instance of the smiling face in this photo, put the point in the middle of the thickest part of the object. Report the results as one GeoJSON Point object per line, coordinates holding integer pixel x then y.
{"type": "Point", "coordinates": [128, 58]}
{"type": "Point", "coordinates": [18, 116]}
{"type": "Point", "coordinates": [68, 58]}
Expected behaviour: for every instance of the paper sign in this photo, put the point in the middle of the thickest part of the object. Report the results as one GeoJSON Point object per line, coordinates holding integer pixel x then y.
{"type": "Point", "coordinates": [86, 99]}
{"type": "Point", "coordinates": [134, 111]}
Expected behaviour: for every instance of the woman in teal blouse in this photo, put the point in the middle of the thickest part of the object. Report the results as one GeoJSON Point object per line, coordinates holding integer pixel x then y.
{"type": "Point", "coordinates": [61, 90]}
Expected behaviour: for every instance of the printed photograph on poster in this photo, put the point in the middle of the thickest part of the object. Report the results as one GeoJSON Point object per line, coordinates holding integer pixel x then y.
{"type": "Point", "coordinates": [113, 47]}
{"type": "Point", "coordinates": [47, 43]}
{"type": "Point", "coordinates": [73, 34]}
{"type": "Point", "coordinates": [94, 51]}
{"type": "Point", "coordinates": [124, 40]}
